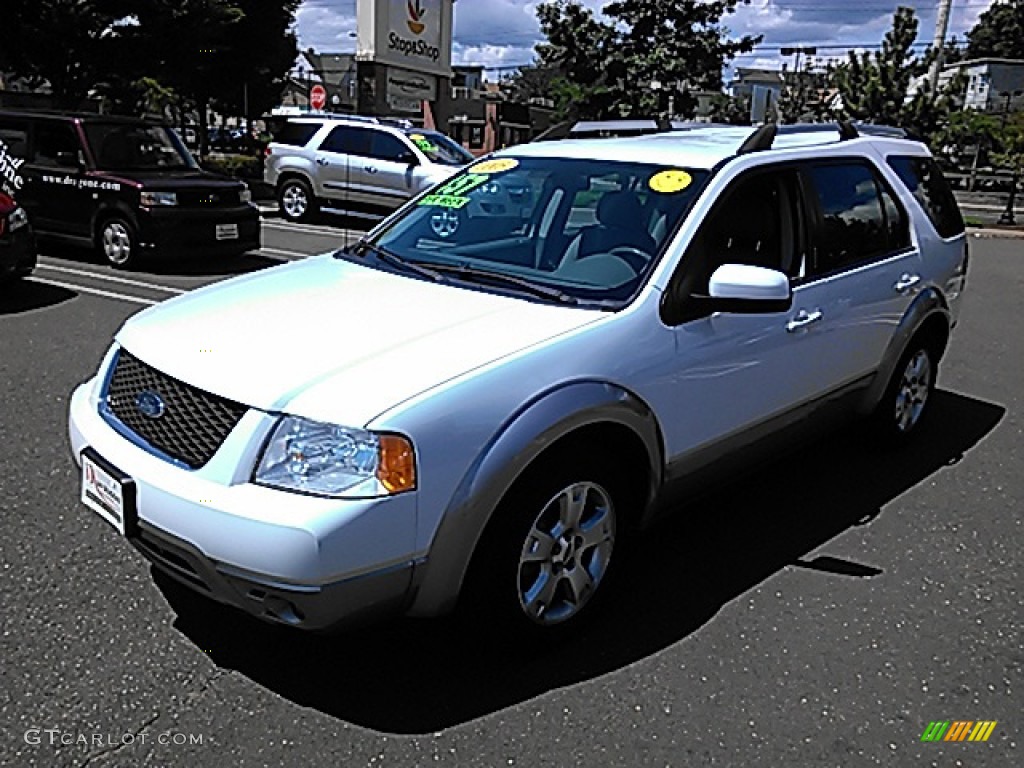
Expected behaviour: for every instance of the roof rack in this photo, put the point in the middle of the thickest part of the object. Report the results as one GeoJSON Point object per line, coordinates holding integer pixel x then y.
{"type": "Point", "coordinates": [764, 137]}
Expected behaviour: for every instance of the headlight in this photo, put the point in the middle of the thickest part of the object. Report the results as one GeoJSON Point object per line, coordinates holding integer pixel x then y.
{"type": "Point", "coordinates": [153, 199]}
{"type": "Point", "coordinates": [313, 457]}
{"type": "Point", "coordinates": [245, 196]}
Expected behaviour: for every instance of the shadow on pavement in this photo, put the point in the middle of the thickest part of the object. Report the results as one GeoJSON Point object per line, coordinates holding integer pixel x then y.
{"type": "Point", "coordinates": [422, 676]}
{"type": "Point", "coordinates": [212, 266]}
{"type": "Point", "coordinates": [21, 295]}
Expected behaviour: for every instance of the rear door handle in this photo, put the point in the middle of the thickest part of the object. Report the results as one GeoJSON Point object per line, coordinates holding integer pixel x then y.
{"type": "Point", "coordinates": [370, 169]}
{"type": "Point", "coordinates": [322, 161]}
{"type": "Point", "coordinates": [906, 282]}
{"type": "Point", "coordinates": [803, 319]}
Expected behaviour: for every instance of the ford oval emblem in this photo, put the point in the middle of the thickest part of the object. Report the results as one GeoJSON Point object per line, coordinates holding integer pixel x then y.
{"type": "Point", "coordinates": [150, 404]}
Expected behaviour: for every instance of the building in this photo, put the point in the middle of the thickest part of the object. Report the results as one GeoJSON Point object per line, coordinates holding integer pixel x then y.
{"type": "Point", "coordinates": [993, 85]}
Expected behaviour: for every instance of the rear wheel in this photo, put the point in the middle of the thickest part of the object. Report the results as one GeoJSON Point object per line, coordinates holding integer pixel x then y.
{"type": "Point", "coordinates": [909, 393]}
{"type": "Point", "coordinates": [296, 200]}
{"type": "Point", "coordinates": [546, 557]}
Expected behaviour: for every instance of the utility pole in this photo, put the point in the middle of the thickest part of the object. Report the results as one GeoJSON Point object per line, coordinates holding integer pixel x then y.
{"type": "Point", "coordinates": [941, 26]}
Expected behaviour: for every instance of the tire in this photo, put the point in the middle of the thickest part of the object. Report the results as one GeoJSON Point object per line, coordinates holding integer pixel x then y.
{"type": "Point", "coordinates": [118, 243]}
{"type": "Point", "coordinates": [908, 395]}
{"type": "Point", "coordinates": [545, 560]}
{"type": "Point", "coordinates": [296, 200]}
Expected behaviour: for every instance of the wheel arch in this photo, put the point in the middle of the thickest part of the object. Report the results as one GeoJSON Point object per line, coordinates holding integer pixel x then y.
{"type": "Point", "coordinates": [930, 315]}
{"type": "Point", "coordinates": [570, 419]}
{"type": "Point", "coordinates": [112, 210]}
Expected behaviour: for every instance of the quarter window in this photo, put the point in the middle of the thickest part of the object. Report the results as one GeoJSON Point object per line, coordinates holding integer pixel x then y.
{"type": "Point", "coordinates": [296, 134]}
{"type": "Point", "coordinates": [926, 183]}
{"type": "Point", "coordinates": [860, 220]}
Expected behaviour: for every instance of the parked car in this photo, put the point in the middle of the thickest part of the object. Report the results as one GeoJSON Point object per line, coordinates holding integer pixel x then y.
{"type": "Point", "coordinates": [127, 187]}
{"type": "Point", "coordinates": [471, 407]}
{"type": "Point", "coordinates": [359, 166]}
{"type": "Point", "coordinates": [17, 243]}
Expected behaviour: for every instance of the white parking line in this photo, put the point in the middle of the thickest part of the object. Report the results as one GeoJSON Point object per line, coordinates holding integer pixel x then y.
{"type": "Point", "coordinates": [93, 291]}
{"type": "Point", "coordinates": [309, 229]}
{"type": "Point", "coordinates": [109, 278]}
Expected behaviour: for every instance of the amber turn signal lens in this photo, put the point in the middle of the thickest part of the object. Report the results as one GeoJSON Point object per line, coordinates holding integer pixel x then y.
{"type": "Point", "coordinates": [396, 469]}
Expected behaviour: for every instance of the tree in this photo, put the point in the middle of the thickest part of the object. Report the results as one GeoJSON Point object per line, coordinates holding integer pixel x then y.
{"type": "Point", "coordinates": [999, 32]}
{"type": "Point", "coordinates": [873, 86]}
{"type": "Point", "coordinates": [67, 44]}
{"type": "Point", "coordinates": [646, 56]}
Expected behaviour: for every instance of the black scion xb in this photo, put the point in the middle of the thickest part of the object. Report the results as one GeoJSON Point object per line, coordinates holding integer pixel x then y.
{"type": "Point", "coordinates": [127, 187]}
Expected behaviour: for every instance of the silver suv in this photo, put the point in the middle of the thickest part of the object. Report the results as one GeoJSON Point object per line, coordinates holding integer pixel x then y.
{"type": "Point", "coordinates": [480, 399]}
{"type": "Point", "coordinates": [359, 166]}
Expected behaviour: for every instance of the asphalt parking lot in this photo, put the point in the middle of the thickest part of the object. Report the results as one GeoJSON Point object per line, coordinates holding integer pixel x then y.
{"type": "Point", "coordinates": [821, 611]}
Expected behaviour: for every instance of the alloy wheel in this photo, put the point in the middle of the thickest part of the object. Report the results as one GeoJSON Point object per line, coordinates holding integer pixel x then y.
{"type": "Point", "coordinates": [913, 390]}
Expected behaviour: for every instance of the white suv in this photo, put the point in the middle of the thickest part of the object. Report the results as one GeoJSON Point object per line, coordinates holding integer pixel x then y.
{"type": "Point", "coordinates": [476, 401]}
{"type": "Point", "coordinates": [359, 166]}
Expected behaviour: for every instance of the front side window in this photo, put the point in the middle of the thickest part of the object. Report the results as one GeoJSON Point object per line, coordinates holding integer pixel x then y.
{"type": "Point", "coordinates": [55, 145]}
{"type": "Point", "coordinates": [859, 219]}
{"type": "Point", "coordinates": [925, 181]}
{"type": "Point", "coordinates": [128, 147]}
{"type": "Point", "coordinates": [550, 228]}
{"type": "Point", "coordinates": [384, 146]}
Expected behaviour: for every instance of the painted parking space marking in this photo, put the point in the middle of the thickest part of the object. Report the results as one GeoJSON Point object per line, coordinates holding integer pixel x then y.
{"type": "Point", "coordinates": [109, 278]}
{"type": "Point", "coordinates": [94, 291]}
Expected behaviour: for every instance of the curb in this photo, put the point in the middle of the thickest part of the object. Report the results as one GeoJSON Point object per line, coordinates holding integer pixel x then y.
{"type": "Point", "coordinates": [989, 232]}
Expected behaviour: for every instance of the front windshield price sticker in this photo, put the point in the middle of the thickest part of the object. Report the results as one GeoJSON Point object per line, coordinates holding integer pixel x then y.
{"type": "Point", "coordinates": [423, 142]}
{"type": "Point", "coordinates": [668, 182]}
{"type": "Point", "coordinates": [445, 201]}
{"type": "Point", "coordinates": [498, 165]}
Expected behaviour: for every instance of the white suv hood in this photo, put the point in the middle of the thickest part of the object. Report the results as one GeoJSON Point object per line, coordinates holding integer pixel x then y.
{"type": "Point", "coordinates": [332, 340]}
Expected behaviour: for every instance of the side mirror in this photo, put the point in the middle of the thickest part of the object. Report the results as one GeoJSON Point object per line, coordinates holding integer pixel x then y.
{"type": "Point", "coordinates": [743, 288]}
{"type": "Point", "coordinates": [408, 158]}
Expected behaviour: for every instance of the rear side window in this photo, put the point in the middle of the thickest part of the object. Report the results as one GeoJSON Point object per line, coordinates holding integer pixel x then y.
{"type": "Point", "coordinates": [860, 220]}
{"type": "Point", "coordinates": [55, 145]}
{"type": "Point", "coordinates": [926, 182]}
{"type": "Point", "coordinates": [296, 134]}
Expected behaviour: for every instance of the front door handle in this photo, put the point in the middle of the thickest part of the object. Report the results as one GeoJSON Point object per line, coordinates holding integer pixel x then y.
{"type": "Point", "coordinates": [803, 319]}
{"type": "Point", "coordinates": [906, 282]}
{"type": "Point", "coordinates": [322, 161]}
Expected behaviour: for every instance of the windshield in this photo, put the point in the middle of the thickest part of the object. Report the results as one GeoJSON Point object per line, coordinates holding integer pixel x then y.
{"type": "Point", "coordinates": [439, 148]}
{"type": "Point", "coordinates": [127, 147]}
{"type": "Point", "coordinates": [590, 230]}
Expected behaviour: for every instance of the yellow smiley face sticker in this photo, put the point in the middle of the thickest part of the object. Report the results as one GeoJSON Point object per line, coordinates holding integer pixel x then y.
{"type": "Point", "coordinates": [668, 182]}
{"type": "Point", "coordinates": [498, 165]}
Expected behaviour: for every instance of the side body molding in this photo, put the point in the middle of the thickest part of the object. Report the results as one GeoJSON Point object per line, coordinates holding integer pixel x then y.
{"type": "Point", "coordinates": [527, 434]}
{"type": "Point", "coordinates": [929, 303]}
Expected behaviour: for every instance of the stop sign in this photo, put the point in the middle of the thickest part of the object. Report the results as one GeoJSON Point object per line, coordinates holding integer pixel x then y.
{"type": "Point", "coordinates": [317, 97]}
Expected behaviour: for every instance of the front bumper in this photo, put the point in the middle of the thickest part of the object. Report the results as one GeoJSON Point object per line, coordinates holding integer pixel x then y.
{"type": "Point", "coordinates": [190, 231]}
{"type": "Point", "coordinates": [305, 561]}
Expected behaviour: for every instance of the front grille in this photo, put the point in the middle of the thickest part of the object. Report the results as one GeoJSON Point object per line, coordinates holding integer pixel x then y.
{"type": "Point", "coordinates": [193, 423]}
{"type": "Point", "coordinates": [208, 198]}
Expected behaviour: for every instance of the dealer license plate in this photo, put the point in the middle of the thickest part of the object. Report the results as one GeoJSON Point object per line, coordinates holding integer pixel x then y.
{"type": "Point", "coordinates": [227, 231]}
{"type": "Point", "coordinates": [108, 492]}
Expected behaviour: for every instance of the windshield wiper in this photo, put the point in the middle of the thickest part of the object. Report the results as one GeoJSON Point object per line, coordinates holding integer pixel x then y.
{"type": "Point", "coordinates": [462, 271]}
{"type": "Point", "coordinates": [389, 257]}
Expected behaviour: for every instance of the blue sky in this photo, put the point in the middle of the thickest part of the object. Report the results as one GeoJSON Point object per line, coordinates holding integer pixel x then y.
{"type": "Point", "coordinates": [499, 33]}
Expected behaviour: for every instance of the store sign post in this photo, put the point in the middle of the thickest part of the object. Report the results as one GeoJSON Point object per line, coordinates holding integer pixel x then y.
{"type": "Point", "coordinates": [415, 35]}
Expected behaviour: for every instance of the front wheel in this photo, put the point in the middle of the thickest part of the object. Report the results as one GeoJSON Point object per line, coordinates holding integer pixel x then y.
{"type": "Point", "coordinates": [118, 243]}
{"type": "Point", "coordinates": [546, 557]}
{"type": "Point", "coordinates": [909, 393]}
{"type": "Point", "coordinates": [296, 200]}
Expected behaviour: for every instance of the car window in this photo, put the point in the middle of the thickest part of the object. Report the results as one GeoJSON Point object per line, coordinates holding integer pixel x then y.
{"type": "Point", "coordinates": [591, 228]}
{"type": "Point", "coordinates": [345, 140]}
{"type": "Point", "coordinates": [52, 140]}
{"type": "Point", "coordinates": [756, 221]}
{"type": "Point", "coordinates": [925, 181]}
{"type": "Point", "coordinates": [14, 135]}
{"type": "Point", "coordinates": [136, 147]}
{"type": "Point", "coordinates": [856, 223]}
{"type": "Point", "coordinates": [296, 134]}
{"type": "Point", "coordinates": [439, 148]}
{"type": "Point", "coordinates": [385, 146]}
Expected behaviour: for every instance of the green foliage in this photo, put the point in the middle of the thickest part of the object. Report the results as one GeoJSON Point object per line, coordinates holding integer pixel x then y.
{"type": "Point", "coordinates": [999, 32]}
{"type": "Point", "coordinates": [238, 166]}
{"type": "Point", "coordinates": [69, 44]}
{"type": "Point", "coordinates": [647, 54]}
{"type": "Point", "coordinates": [729, 110]}
{"type": "Point", "coordinates": [803, 100]}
